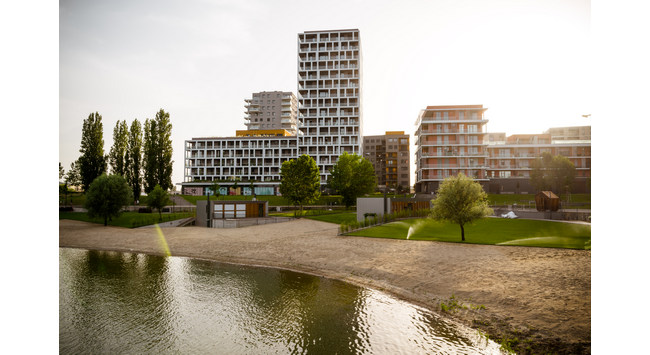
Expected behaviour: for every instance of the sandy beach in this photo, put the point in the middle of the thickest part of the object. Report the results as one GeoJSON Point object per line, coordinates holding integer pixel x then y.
{"type": "Point", "coordinates": [540, 296]}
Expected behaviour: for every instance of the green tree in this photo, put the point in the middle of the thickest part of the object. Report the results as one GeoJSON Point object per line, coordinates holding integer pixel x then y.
{"type": "Point", "coordinates": [157, 199]}
{"type": "Point", "coordinates": [73, 177]}
{"type": "Point", "coordinates": [92, 162]}
{"type": "Point", "coordinates": [215, 188]}
{"type": "Point", "coordinates": [460, 200]}
{"type": "Point", "coordinates": [117, 156]}
{"type": "Point", "coordinates": [552, 173]}
{"type": "Point", "coordinates": [300, 181]}
{"type": "Point", "coordinates": [157, 160]}
{"type": "Point", "coordinates": [352, 176]}
{"type": "Point", "coordinates": [106, 196]}
{"type": "Point", "coordinates": [61, 171]}
{"type": "Point", "coordinates": [134, 159]}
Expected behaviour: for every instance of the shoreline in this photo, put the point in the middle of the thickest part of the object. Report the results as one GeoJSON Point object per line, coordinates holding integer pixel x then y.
{"type": "Point", "coordinates": [537, 298]}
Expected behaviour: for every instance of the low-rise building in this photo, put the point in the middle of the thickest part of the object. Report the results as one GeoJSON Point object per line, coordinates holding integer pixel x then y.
{"type": "Point", "coordinates": [510, 158]}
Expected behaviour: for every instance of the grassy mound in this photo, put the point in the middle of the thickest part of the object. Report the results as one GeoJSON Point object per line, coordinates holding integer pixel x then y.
{"type": "Point", "coordinates": [493, 231]}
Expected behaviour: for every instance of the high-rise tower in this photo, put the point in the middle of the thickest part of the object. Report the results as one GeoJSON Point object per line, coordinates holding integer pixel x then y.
{"type": "Point", "coordinates": [329, 95]}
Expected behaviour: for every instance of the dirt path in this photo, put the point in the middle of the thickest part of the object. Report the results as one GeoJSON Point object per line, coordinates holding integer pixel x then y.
{"type": "Point", "coordinates": [540, 296]}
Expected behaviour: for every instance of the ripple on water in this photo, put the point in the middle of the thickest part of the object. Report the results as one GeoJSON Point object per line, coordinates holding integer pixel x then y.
{"type": "Point", "coordinates": [134, 303]}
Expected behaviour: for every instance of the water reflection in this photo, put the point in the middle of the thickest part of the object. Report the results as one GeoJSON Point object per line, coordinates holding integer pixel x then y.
{"type": "Point", "coordinates": [113, 302]}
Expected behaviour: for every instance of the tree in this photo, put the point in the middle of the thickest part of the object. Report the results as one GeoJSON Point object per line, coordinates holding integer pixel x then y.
{"type": "Point", "coordinates": [73, 177]}
{"type": "Point", "coordinates": [460, 200]}
{"type": "Point", "coordinates": [134, 159]}
{"type": "Point", "coordinates": [215, 188]}
{"type": "Point", "coordinates": [118, 154]}
{"type": "Point", "coordinates": [92, 162]}
{"type": "Point", "coordinates": [552, 173]}
{"type": "Point", "coordinates": [61, 171]}
{"type": "Point", "coordinates": [106, 196]}
{"type": "Point", "coordinates": [157, 160]}
{"type": "Point", "coordinates": [300, 181]}
{"type": "Point", "coordinates": [352, 176]}
{"type": "Point", "coordinates": [157, 199]}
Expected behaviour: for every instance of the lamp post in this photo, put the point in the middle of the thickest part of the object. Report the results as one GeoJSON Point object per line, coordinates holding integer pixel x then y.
{"type": "Point", "coordinates": [207, 208]}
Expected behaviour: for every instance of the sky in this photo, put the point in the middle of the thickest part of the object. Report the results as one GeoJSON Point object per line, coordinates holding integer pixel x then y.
{"type": "Point", "coordinates": [526, 61]}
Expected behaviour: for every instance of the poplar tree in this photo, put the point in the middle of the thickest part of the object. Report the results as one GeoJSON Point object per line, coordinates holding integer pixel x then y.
{"type": "Point", "coordinates": [92, 162]}
{"type": "Point", "coordinates": [117, 154]}
{"type": "Point", "coordinates": [134, 159]}
{"type": "Point", "coordinates": [157, 160]}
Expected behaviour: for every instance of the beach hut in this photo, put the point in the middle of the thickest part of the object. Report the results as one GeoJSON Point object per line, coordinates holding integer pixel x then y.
{"type": "Point", "coordinates": [547, 200]}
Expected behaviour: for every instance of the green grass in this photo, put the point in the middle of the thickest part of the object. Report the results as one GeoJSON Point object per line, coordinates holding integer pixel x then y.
{"type": "Point", "coordinates": [493, 231]}
{"type": "Point", "coordinates": [127, 219]}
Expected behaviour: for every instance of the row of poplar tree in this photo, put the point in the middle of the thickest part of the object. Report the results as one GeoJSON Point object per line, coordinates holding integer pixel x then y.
{"type": "Point", "coordinates": [142, 155]}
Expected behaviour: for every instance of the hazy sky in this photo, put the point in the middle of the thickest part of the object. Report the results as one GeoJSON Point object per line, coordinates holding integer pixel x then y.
{"type": "Point", "coordinates": [526, 61]}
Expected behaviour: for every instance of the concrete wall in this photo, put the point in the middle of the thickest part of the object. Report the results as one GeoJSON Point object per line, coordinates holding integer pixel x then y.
{"type": "Point", "coordinates": [371, 205]}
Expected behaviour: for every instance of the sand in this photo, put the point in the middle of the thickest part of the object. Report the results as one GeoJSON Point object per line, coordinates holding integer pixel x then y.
{"type": "Point", "coordinates": [539, 298]}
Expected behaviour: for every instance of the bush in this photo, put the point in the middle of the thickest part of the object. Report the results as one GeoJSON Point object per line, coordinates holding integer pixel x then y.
{"type": "Point", "coordinates": [144, 210]}
{"type": "Point", "coordinates": [66, 209]}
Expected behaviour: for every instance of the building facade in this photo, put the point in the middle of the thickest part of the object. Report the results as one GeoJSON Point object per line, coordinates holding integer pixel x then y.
{"type": "Point", "coordinates": [510, 158]}
{"type": "Point", "coordinates": [450, 140]}
{"type": "Point", "coordinates": [240, 160]}
{"type": "Point", "coordinates": [270, 110]}
{"type": "Point", "coordinates": [390, 156]}
{"type": "Point", "coordinates": [329, 96]}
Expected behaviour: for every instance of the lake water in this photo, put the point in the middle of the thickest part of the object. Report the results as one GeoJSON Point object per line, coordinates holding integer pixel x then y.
{"type": "Point", "coordinates": [128, 303]}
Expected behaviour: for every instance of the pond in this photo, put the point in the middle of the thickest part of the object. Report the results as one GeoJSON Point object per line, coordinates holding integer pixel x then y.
{"type": "Point", "coordinates": [113, 303]}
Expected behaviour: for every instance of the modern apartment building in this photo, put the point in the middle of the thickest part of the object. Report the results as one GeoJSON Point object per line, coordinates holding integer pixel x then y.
{"type": "Point", "coordinates": [238, 159]}
{"type": "Point", "coordinates": [510, 157]}
{"type": "Point", "coordinates": [329, 96]}
{"type": "Point", "coordinates": [390, 156]}
{"type": "Point", "coordinates": [450, 140]}
{"type": "Point", "coordinates": [272, 110]}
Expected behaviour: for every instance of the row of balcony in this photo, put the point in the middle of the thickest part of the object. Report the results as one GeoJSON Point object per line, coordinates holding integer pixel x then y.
{"type": "Point", "coordinates": [453, 166]}
{"type": "Point", "coordinates": [327, 95]}
{"type": "Point", "coordinates": [332, 39]}
{"type": "Point", "coordinates": [303, 67]}
{"type": "Point", "coordinates": [453, 154]}
{"type": "Point", "coordinates": [324, 49]}
{"type": "Point", "coordinates": [322, 77]}
{"type": "Point", "coordinates": [325, 58]}
{"type": "Point", "coordinates": [337, 86]}
{"type": "Point", "coordinates": [449, 131]}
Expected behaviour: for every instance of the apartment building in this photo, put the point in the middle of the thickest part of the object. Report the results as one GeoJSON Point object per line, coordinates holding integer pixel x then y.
{"type": "Point", "coordinates": [450, 140]}
{"type": "Point", "coordinates": [270, 110]}
{"type": "Point", "coordinates": [238, 159]}
{"type": "Point", "coordinates": [329, 96]}
{"type": "Point", "coordinates": [510, 157]}
{"type": "Point", "coordinates": [390, 156]}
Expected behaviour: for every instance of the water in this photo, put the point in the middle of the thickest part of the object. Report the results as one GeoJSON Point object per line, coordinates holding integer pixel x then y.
{"type": "Point", "coordinates": [128, 303]}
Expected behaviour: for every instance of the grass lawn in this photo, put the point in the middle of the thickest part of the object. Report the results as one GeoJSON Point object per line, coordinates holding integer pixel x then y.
{"type": "Point", "coordinates": [127, 219]}
{"type": "Point", "coordinates": [493, 231]}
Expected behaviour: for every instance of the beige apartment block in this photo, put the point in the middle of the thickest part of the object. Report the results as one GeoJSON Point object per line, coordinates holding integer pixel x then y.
{"type": "Point", "coordinates": [270, 110]}
{"type": "Point", "coordinates": [390, 156]}
{"type": "Point", "coordinates": [450, 140]}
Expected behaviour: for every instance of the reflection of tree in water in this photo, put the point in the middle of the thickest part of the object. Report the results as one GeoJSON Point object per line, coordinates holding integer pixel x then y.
{"type": "Point", "coordinates": [308, 314]}
{"type": "Point", "coordinates": [124, 291]}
